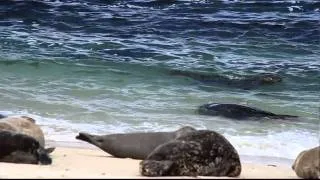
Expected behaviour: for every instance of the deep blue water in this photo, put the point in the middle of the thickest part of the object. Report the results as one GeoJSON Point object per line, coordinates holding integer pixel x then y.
{"type": "Point", "coordinates": [103, 66]}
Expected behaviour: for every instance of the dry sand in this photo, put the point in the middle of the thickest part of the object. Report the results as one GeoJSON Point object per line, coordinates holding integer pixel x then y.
{"type": "Point", "coordinates": [86, 161]}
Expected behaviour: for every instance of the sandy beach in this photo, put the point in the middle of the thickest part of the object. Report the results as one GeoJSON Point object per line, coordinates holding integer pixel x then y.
{"type": "Point", "coordinates": [80, 160]}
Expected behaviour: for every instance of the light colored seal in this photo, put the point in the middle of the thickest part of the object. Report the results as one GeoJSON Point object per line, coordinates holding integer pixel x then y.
{"type": "Point", "coordinates": [132, 145]}
{"type": "Point", "coordinates": [21, 148]}
{"type": "Point", "coordinates": [199, 153]}
{"type": "Point", "coordinates": [307, 164]}
{"type": "Point", "coordinates": [24, 125]}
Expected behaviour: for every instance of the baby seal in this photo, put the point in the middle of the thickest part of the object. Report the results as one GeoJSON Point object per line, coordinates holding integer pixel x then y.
{"type": "Point", "coordinates": [132, 145]}
{"type": "Point", "coordinates": [199, 153]}
{"type": "Point", "coordinates": [307, 164]}
{"type": "Point", "coordinates": [21, 148]}
{"type": "Point", "coordinates": [25, 125]}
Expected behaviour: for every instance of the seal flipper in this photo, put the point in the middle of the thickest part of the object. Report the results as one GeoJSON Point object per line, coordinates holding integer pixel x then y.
{"type": "Point", "coordinates": [89, 138]}
{"type": "Point", "coordinates": [50, 149]}
{"type": "Point", "coordinates": [155, 168]}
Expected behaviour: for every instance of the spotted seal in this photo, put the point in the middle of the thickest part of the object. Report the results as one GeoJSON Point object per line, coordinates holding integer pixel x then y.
{"type": "Point", "coordinates": [238, 112]}
{"type": "Point", "coordinates": [199, 153]}
{"type": "Point", "coordinates": [307, 164]}
{"type": "Point", "coordinates": [132, 145]}
{"type": "Point", "coordinates": [21, 148]}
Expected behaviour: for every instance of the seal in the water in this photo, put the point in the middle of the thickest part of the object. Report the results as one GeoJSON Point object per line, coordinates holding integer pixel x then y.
{"type": "Point", "coordinates": [307, 164]}
{"type": "Point", "coordinates": [132, 145]}
{"type": "Point", "coordinates": [21, 148]}
{"type": "Point", "coordinates": [24, 125]}
{"type": "Point", "coordinates": [239, 112]}
{"type": "Point", "coordinates": [199, 153]}
{"type": "Point", "coordinates": [245, 82]}
{"type": "Point", "coordinates": [2, 116]}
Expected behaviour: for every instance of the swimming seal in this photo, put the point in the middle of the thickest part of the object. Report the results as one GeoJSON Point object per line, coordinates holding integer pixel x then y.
{"type": "Point", "coordinates": [244, 82]}
{"type": "Point", "coordinates": [132, 145]}
{"type": "Point", "coordinates": [238, 112]}
{"type": "Point", "coordinates": [25, 125]}
{"type": "Point", "coordinates": [307, 164]}
{"type": "Point", "coordinates": [199, 153]}
{"type": "Point", "coordinates": [21, 148]}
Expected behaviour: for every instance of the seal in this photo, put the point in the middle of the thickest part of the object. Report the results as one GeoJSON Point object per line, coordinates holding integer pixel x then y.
{"type": "Point", "coordinates": [307, 164]}
{"type": "Point", "coordinates": [243, 82]}
{"type": "Point", "coordinates": [199, 153]}
{"type": "Point", "coordinates": [132, 145]}
{"type": "Point", "coordinates": [25, 125]}
{"type": "Point", "coordinates": [238, 112]}
{"type": "Point", "coordinates": [21, 148]}
{"type": "Point", "coordinates": [2, 116]}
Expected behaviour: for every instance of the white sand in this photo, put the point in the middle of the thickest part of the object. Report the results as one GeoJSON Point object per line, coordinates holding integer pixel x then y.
{"type": "Point", "coordinates": [91, 162]}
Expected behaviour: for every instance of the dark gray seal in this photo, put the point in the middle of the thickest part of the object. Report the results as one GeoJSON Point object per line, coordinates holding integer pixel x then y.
{"type": "Point", "coordinates": [238, 112]}
{"type": "Point", "coordinates": [307, 164]}
{"type": "Point", "coordinates": [2, 116]}
{"type": "Point", "coordinates": [21, 148]}
{"type": "Point", "coordinates": [132, 145]}
{"type": "Point", "coordinates": [199, 153]}
{"type": "Point", "coordinates": [244, 82]}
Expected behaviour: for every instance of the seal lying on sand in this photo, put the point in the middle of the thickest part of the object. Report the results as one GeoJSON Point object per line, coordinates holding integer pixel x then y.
{"type": "Point", "coordinates": [199, 153]}
{"type": "Point", "coordinates": [307, 164]}
{"type": "Point", "coordinates": [24, 125]}
{"type": "Point", "coordinates": [245, 82]}
{"type": "Point", "coordinates": [132, 145]}
{"type": "Point", "coordinates": [21, 148]}
{"type": "Point", "coordinates": [239, 112]}
{"type": "Point", "coordinates": [2, 116]}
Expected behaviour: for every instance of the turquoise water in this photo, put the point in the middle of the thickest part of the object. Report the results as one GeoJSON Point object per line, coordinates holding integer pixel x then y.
{"type": "Point", "coordinates": [103, 67]}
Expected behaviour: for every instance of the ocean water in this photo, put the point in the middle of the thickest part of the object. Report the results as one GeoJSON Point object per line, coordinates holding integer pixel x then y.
{"type": "Point", "coordinates": [104, 67]}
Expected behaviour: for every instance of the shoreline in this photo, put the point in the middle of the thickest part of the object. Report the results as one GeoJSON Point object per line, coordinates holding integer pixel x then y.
{"type": "Point", "coordinates": [81, 160]}
{"type": "Point", "coordinates": [74, 162]}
